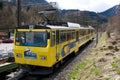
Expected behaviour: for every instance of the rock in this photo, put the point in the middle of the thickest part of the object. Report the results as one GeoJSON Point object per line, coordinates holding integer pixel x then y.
{"type": "Point", "coordinates": [96, 53]}
{"type": "Point", "coordinates": [113, 51]}
{"type": "Point", "coordinates": [114, 42]}
{"type": "Point", "coordinates": [102, 60]}
{"type": "Point", "coordinates": [112, 35]}
{"type": "Point", "coordinates": [109, 54]}
{"type": "Point", "coordinates": [105, 48]}
{"type": "Point", "coordinates": [119, 40]}
{"type": "Point", "coordinates": [116, 48]}
{"type": "Point", "coordinates": [104, 45]}
{"type": "Point", "coordinates": [110, 47]}
{"type": "Point", "coordinates": [101, 49]}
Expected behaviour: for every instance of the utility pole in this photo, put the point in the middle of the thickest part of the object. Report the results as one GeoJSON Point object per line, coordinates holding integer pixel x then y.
{"type": "Point", "coordinates": [97, 31]}
{"type": "Point", "coordinates": [77, 15]}
{"type": "Point", "coordinates": [55, 8]}
{"type": "Point", "coordinates": [18, 13]}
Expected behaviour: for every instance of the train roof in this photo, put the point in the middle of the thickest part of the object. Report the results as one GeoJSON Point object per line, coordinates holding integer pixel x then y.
{"type": "Point", "coordinates": [62, 25]}
{"type": "Point", "coordinates": [51, 27]}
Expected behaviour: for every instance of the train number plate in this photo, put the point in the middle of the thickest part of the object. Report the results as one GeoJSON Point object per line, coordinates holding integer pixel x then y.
{"type": "Point", "coordinates": [30, 55]}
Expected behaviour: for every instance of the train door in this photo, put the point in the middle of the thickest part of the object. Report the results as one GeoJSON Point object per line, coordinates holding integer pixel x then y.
{"type": "Point", "coordinates": [57, 45]}
{"type": "Point", "coordinates": [77, 38]}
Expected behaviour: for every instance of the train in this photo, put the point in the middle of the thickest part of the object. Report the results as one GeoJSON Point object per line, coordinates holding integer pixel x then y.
{"type": "Point", "coordinates": [38, 49]}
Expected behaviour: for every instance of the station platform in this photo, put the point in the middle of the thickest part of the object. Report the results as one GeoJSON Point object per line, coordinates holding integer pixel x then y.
{"type": "Point", "coordinates": [7, 66]}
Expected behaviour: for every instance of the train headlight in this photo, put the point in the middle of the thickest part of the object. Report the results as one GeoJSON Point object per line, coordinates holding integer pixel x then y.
{"type": "Point", "coordinates": [19, 55]}
{"type": "Point", "coordinates": [43, 57]}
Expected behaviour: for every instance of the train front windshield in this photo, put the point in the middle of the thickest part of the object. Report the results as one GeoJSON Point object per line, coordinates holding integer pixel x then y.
{"type": "Point", "coordinates": [36, 39]}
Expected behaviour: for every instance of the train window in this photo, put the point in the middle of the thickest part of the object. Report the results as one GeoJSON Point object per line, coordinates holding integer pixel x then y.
{"type": "Point", "coordinates": [68, 35]}
{"type": "Point", "coordinates": [62, 36]}
{"type": "Point", "coordinates": [77, 35]}
{"type": "Point", "coordinates": [85, 31]}
{"type": "Point", "coordinates": [73, 34]}
{"type": "Point", "coordinates": [91, 31]}
{"type": "Point", "coordinates": [32, 39]}
{"type": "Point", "coordinates": [57, 37]}
{"type": "Point", "coordinates": [53, 38]}
{"type": "Point", "coordinates": [82, 32]}
{"type": "Point", "coordinates": [88, 31]}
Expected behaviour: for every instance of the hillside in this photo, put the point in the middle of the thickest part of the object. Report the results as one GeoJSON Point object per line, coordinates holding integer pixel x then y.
{"type": "Point", "coordinates": [8, 11]}
{"type": "Point", "coordinates": [100, 63]}
{"type": "Point", "coordinates": [34, 1]}
{"type": "Point", "coordinates": [25, 2]}
{"type": "Point", "coordinates": [110, 12]}
{"type": "Point", "coordinates": [32, 7]}
{"type": "Point", "coordinates": [88, 17]}
{"type": "Point", "coordinates": [83, 17]}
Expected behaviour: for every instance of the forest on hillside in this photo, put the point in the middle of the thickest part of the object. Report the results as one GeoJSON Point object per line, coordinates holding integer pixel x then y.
{"type": "Point", "coordinates": [29, 15]}
{"type": "Point", "coordinates": [113, 28]}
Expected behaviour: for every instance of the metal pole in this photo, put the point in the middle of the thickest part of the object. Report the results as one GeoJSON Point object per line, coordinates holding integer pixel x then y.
{"type": "Point", "coordinates": [18, 13]}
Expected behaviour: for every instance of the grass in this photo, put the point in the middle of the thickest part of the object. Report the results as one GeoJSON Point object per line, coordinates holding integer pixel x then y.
{"type": "Point", "coordinates": [102, 40]}
{"type": "Point", "coordinates": [94, 64]}
{"type": "Point", "coordinates": [118, 70]}
{"type": "Point", "coordinates": [114, 65]}
{"type": "Point", "coordinates": [95, 71]}
{"type": "Point", "coordinates": [73, 75]}
{"type": "Point", "coordinates": [81, 66]}
{"type": "Point", "coordinates": [107, 79]}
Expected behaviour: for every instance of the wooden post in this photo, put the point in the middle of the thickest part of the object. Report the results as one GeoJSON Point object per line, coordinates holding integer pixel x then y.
{"type": "Point", "coordinates": [18, 13]}
{"type": "Point", "coordinates": [97, 36]}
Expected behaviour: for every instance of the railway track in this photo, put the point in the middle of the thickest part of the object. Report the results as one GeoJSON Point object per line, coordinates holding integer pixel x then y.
{"type": "Point", "coordinates": [59, 73]}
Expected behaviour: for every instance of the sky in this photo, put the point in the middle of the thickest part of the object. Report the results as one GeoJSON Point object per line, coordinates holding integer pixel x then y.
{"type": "Point", "coordinates": [91, 5]}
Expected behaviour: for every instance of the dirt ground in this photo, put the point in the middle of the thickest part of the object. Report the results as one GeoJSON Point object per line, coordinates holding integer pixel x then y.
{"type": "Point", "coordinates": [101, 63]}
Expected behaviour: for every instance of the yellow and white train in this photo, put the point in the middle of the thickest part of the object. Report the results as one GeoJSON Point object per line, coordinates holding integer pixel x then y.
{"type": "Point", "coordinates": [39, 48]}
